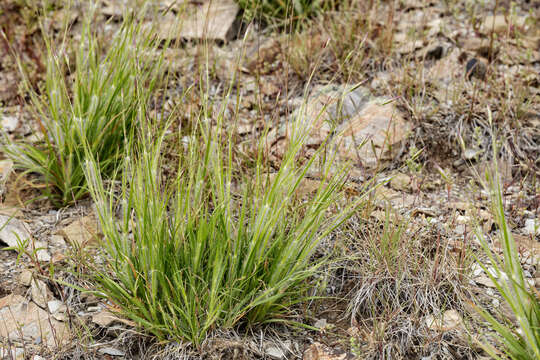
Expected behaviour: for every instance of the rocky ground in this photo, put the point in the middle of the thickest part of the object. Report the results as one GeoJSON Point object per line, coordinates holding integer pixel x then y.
{"type": "Point", "coordinates": [413, 79]}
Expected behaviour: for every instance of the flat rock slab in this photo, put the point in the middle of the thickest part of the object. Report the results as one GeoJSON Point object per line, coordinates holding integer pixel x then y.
{"type": "Point", "coordinates": [373, 134]}
{"type": "Point", "coordinates": [209, 19]}
{"type": "Point", "coordinates": [81, 232]}
{"type": "Point", "coordinates": [13, 231]}
{"type": "Point", "coordinates": [365, 129]}
{"type": "Point", "coordinates": [22, 320]}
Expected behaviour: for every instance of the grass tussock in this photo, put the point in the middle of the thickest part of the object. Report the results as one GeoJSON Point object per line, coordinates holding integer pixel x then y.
{"type": "Point", "coordinates": [282, 12]}
{"type": "Point", "coordinates": [96, 105]}
{"type": "Point", "coordinates": [346, 43]}
{"type": "Point", "coordinates": [402, 274]}
{"type": "Point", "coordinates": [208, 249]}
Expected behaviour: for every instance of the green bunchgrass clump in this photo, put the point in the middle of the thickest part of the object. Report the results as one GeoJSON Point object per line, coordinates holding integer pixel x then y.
{"type": "Point", "coordinates": [211, 248]}
{"type": "Point", "coordinates": [344, 43]}
{"type": "Point", "coordinates": [95, 105]}
{"type": "Point", "coordinates": [282, 11]}
{"type": "Point", "coordinates": [521, 342]}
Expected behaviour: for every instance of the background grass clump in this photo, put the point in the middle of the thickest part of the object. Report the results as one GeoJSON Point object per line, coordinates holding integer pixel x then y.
{"type": "Point", "coordinates": [282, 11]}
{"type": "Point", "coordinates": [96, 105]}
{"type": "Point", "coordinates": [400, 276]}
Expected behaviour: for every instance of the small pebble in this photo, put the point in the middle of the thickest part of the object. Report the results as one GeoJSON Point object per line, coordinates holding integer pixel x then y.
{"type": "Point", "coordinates": [475, 68]}
{"type": "Point", "coordinates": [54, 305]}
{"type": "Point", "coordinates": [463, 219]}
{"type": "Point", "coordinates": [25, 277]}
{"type": "Point", "coordinates": [435, 52]}
{"type": "Point", "coordinates": [459, 229]}
{"type": "Point", "coordinates": [57, 241]}
{"type": "Point", "coordinates": [9, 123]}
{"type": "Point", "coordinates": [320, 324]}
{"type": "Point", "coordinates": [531, 227]}
{"type": "Point", "coordinates": [112, 351]}
{"type": "Point", "coordinates": [477, 270]}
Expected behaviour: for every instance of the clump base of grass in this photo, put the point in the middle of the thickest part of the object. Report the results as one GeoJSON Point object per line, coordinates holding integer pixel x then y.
{"type": "Point", "coordinates": [210, 249]}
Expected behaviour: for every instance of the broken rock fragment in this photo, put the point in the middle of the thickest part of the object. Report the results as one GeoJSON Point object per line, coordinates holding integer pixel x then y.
{"type": "Point", "coordinates": [5, 170]}
{"type": "Point", "coordinates": [104, 318]}
{"type": "Point", "coordinates": [401, 182]}
{"type": "Point", "coordinates": [207, 19]}
{"type": "Point", "coordinates": [24, 321]}
{"type": "Point", "coordinates": [111, 351]}
{"type": "Point", "coordinates": [12, 353]}
{"type": "Point", "coordinates": [500, 24]}
{"type": "Point", "coordinates": [9, 123]}
{"type": "Point", "coordinates": [366, 129]}
{"type": "Point", "coordinates": [81, 232]}
{"type": "Point", "coordinates": [42, 254]}
{"type": "Point", "coordinates": [373, 134]}
{"type": "Point", "coordinates": [475, 68]}
{"type": "Point", "coordinates": [260, 58]}
{"type": "Point", "coordinates": [40, 293]}
{"type": "Point", "coordinates": [13, 231]}
{"type": "Point", "coordinates": [25, 277]}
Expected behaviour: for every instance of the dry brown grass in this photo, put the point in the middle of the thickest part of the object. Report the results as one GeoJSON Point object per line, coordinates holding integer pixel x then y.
{"type": "Point", "coordinates": [400, 273]}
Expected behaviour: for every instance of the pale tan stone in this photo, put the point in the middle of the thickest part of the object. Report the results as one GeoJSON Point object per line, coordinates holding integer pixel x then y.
{"type": "Point", "coordinates": [81, 232]}
{"type": "Point", "coordinates": [449, 320]}
{"type": "Point", "coordinates": [22, 320]}
{"type": "Point", "coordinates": [208, 19]}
